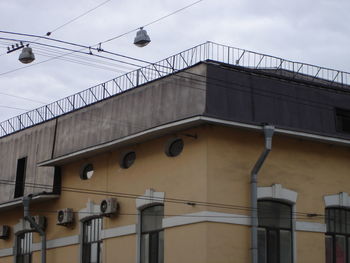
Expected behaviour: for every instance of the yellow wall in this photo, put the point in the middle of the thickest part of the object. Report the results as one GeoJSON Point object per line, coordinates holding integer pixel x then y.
{"type": "Point", "coordinates": [213, 168]}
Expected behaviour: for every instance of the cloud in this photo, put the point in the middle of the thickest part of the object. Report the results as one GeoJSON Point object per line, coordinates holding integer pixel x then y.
{"type": "Point", "coordinates": [309, 31]}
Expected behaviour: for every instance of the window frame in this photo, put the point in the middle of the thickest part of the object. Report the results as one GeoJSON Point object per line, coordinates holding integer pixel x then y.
{"type": "Point", "coordinates": [157, 232]}
{"type": "Point", "coordinates": [86, 246]}
{"type": "Point", "coordinates": [333, 235]}
{"type": "Point", "coordinates": [26, 256]}
{"type": "Point", "coordinates": [277, 230]}
{"type": "Point", "coordinates": [20, 177]}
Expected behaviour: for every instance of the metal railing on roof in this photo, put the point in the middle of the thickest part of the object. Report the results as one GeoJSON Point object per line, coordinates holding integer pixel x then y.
{"type": "Point", "coordinates": [180, 61]}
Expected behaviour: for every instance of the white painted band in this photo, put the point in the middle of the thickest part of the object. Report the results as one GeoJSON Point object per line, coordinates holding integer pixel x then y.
{"type": "Point", "coordinates": [174, 221]}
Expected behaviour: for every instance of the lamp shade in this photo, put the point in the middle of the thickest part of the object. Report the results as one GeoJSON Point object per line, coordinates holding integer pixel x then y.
{"type": "Point", "coordinates": [141, 39]}
{"type": "Point", "coordinates": [27, 55]}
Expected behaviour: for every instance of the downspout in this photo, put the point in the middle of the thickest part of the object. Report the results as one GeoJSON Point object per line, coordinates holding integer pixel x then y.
{"type": "Point", "coordinates": [26, 202]}
{"type": "Point", "coordinates": [268, 131]}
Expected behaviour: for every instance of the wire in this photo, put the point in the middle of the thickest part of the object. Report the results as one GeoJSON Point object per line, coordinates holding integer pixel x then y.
{"type": "Point", "coordinates": [175, 215]}
{"type": "Point", "coordinates": [152, 22]}
{"type": "Point", "coordinates": [76, 18]}
{"type": "Point", "coordinates": [108, 40]}
{"type": "Point", "coordinates": [23, 98]}
{"type": "Point", "coordinates": [134, 196]}
{"type": "Point", "coordinates": [9, 107]}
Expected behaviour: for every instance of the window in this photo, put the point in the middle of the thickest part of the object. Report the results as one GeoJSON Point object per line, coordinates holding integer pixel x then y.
{"type": "Point", "coordinates": [274, 232]}
{"type": "Point", "coordinates": [24, 247]}
{"type": "Point", "coordinates": [92, 241]}
{"type": "Point", "coordinates": [338, 235]}
{"type": "Point", "coordinates": [342, 120]}
{"type": "Point", "coordinates": [152, 234]}
{"type": "Point", "coordinates": [20, 177]}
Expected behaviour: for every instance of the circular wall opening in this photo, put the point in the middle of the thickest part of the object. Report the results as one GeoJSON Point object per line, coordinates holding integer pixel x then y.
{"type": "Point", "coordinates": [174, 147]}
{"type": "Point", "coordinates": [87, 171]}
{"type": "Point", "coordinates": [127, 159]}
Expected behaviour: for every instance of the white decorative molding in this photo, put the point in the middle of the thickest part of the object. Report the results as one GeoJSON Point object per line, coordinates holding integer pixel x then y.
{"type": "Point", "coordinates": [174, 221]}
{"type": "Point", "coordinates": [206, 216]}
{"type": "Point", "coordinates": [310, 227]}
{"type": "Point", "coordinates": [118, 231]}
{"type": "Point", "coordinates": [91, 210]}
{"type": "Point", "coordinates": [21, 227]}
{"type": "Point", "coordinates": [341, 199]}
{"type": "Point", "coordinates": [276, 191]}
{"type": "Point", "coordinates": [150, 196]}
{"type": "Point", "coordinates": [58, 242]}
{"type": "Point", "coordinates": [5, 252]}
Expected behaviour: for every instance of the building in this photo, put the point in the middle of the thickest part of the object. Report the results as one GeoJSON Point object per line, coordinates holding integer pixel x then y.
{"type": "Point", "coordinates": [157, 165]}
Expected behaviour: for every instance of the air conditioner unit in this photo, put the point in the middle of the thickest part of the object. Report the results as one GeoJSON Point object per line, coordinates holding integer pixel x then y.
{"type": "Point", "coordinates": [39, 220]}
{"type": "Point", "coordinates": [65, 217]}
{"type": "Point", "coordinates": [4, 232]}
{"type": "Point", "coordinates": [109, 207]}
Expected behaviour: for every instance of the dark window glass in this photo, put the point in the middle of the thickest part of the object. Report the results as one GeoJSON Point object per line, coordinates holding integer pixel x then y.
{"type": "Point", "coordinates": [329, 249]}
{"type": "Point", "coordinates": [342, 120]}
{"type": "Point", "coordinates": [20, 177]}
{"type": "Point", "coordinates": [338, 235]}
{"type": "Point", "coordinates": [92, 240]}
{"type": "Point", "coordinates": [275, 232]}
{"type": "Point", "coordinates": [152, 235]}
{"type": "Point", "coordinates": [24, 248]}
{"type": "Point", "coordinates": [262, 245]}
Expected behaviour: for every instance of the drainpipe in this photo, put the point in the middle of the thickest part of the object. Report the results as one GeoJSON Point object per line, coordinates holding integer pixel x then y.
{"type": "Point", "coordinates": [268, 131]}
{"type": "Point", "coordinates": [26, 202]}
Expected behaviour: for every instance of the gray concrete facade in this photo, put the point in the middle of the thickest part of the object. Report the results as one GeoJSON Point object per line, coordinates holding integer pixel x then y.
{"type": "Point", "coordinates": [207, 89]}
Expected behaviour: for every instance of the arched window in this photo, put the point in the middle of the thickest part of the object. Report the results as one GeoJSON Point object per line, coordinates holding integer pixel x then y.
{"type": "Point", "coordinates": [274, 232]}
{"type": "Point", "coordinates": [338, 235]}
{"type": "Point", "coordinates": [92, 242]}
{"type": "Point", "coordinates": [152, 234]}
{"type": "Point", "coordinates": [24, 247]}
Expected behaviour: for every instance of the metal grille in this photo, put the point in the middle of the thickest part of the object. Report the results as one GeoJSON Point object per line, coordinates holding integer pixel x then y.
{"type": "Point", "coordinates": [92, 240]}
{"type": "Point", "coordinates": [24, 248]}
{"type": "Point", "coordinates": [180, 61]}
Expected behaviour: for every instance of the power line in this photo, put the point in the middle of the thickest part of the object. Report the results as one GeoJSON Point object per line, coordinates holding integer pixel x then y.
{"type": "Point", "coordinates": [84, 47]}
{"type": "Point", "coordinates": [152, 22]}
{"type": "Point", "coordinates": [178, 215]}
{"type": "Point", "coordinates": [9, 107]}
{"type": "Point", "coordinates": [76, 18]}
{"type": "Point", "coordinates": [136, 196]}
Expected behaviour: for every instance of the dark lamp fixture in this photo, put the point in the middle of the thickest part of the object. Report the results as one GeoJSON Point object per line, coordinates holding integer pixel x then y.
{"type": "Point", "coordinates": [27, 55]}
{"type": "Point", "coordinates": [141, 39]}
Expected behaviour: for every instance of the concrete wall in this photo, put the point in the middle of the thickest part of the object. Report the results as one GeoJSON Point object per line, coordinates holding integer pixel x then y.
{"type": "Point", "coordinates": [163, 101]}
{"type": "Point", "coordinates": [36, 144]}
{"type": "Point", "coordinates": [160, 102]}
{"type": "Point", "coordinates": [251, 97]}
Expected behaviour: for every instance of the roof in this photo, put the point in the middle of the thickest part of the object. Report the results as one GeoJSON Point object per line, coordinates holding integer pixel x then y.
{"type": "Point", "coordinates": [185, 59]}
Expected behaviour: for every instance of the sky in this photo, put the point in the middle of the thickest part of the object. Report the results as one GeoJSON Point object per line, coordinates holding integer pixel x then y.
{"type": "Point", "coordinates": [310, 31]}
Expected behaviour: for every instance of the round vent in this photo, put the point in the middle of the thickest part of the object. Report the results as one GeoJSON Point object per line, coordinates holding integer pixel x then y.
{"type": "Point", "coordinates": [174, 147]}
{"type": "Point", "coordinates": [87, 171]}
{"type": "Point", "coordinates": [60, 216]}
{"type": "Point", "coordinates": [103, 206]}
{"type": "Point", "coordinates": [127, 160]}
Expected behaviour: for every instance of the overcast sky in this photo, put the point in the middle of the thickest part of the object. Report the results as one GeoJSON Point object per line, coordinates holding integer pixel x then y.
{"type": "Point", "coordinates": [312, 31]}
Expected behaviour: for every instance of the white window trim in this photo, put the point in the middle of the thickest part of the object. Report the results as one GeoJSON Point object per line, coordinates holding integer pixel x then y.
{"type": "Point", "coordinates": [23, 226]}
{"type": "Point", "coordinates": [277, 192]}
{"type": "Point", "coordinates": [151, 197]}
{"type": "Point", "coordinates": [90, 211]}
{"type": "Point", "coordinates": [340, 199]}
